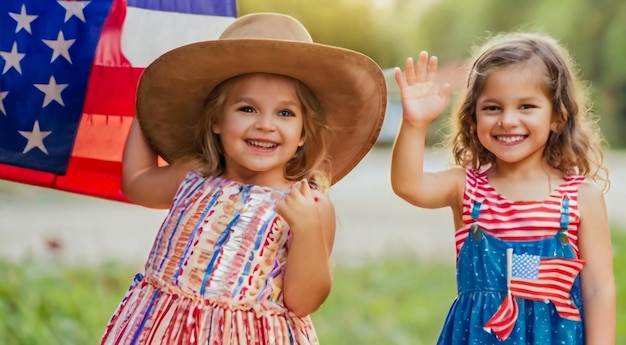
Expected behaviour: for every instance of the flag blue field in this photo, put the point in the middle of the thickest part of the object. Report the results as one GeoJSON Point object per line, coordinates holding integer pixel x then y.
{"type": "Point", "coordinates": [69, 76]}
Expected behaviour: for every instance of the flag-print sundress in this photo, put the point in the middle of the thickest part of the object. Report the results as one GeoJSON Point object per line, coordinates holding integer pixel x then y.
{"type": "Point", "coordinates": [214, 274]}
{"type": "Point", "coordinates": [517, 268]}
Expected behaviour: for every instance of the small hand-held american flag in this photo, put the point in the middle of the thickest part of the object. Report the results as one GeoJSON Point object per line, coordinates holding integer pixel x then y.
{"type": "Point", "coordinates": [69, 76]}
{"type": "Point", "coordinates": [539, 279]}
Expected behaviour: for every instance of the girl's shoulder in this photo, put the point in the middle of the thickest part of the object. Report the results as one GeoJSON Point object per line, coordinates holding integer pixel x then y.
{"type": "Point", "coordinates": [588, 189]}
{"type": "Point", "coordinates": [474, 177]}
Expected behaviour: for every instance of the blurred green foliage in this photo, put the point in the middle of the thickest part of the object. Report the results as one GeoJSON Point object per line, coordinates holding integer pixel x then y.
{"type": "Point", "coordinates": [391, 30]}
{"type": "Point", "coordinates": [394, 301]}
{"type": "Point", "coordinates": [45, 302]}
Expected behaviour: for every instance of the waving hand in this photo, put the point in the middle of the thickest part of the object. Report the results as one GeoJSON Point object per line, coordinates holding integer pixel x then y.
{"type": "Point", "coordinates": [422, 98]}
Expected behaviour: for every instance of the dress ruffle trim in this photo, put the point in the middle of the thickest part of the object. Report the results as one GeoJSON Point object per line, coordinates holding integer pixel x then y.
{"type": "Point", "coordinates": [151, 315]}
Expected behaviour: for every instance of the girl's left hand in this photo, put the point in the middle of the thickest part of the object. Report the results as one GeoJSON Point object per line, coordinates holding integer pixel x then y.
{"type": "Point", "coordinates": [299, 207]}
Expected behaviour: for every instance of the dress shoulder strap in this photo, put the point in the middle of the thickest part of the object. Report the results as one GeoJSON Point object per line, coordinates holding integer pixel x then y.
{"type": "Point", "coordinates": [570, 184]}
{"type": "Point", "coordinates": [474, 194]}
{"type": "Point", "coordinates": [474, 183]}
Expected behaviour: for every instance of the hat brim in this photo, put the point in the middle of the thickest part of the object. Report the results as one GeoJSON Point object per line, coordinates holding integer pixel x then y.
{"type": "Point", "coordinates": [351, 87]}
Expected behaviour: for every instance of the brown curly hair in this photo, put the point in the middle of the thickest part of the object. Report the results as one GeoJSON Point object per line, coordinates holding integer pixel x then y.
{"type": "Point", "coordinates": [309, 161]}
{"type": "Point", "coordinates": [575, 148]}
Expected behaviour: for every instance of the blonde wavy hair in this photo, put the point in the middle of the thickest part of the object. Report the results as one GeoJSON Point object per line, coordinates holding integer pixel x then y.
{"type": "Point", "coordinates": [575, 148]}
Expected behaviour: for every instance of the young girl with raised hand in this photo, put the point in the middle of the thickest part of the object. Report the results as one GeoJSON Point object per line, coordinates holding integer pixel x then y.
{"type": "Point", "coordinates": [533, 249]}
{"type": "Point", "coordinates": [256, 126]}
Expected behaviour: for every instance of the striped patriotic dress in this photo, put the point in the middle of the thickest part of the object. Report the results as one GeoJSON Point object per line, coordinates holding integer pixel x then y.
{"type": "Point", "coordinates": [517, 268]}
{"type": "Point", "coordinates": [214, 274]}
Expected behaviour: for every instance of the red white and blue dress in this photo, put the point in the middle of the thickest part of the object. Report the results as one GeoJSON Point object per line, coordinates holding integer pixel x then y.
{"type": "Point", "coordinates": [214, 274]}
{"type": "Point", "coordinates": [518, 268]}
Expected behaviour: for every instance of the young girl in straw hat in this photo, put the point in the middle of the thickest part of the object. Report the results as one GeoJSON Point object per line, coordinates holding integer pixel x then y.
{"type": "Point", "coordinates": [256, 126]}
{"type": "Point", "coordinates": [527, 211]}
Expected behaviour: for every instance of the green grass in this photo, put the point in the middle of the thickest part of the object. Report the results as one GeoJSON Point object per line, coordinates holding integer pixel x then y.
{"type": "Point", "coordinates": [392, 302]}
{"type": "Point", "coordinates": [398, 301]}
{"type": "Point", "coordinates": [46, 303]}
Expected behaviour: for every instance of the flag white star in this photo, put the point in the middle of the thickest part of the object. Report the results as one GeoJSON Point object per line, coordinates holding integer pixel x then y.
{"type": "Point", "coordinates": [23, 20]}
{"type": "Point", "coordinates": [12, 59]}
{"type": "Point", "coordinates": [35, 138]}
{"type": "Point", "coordinates": [52, 90]}
{"type": "Point", "coordinates": [60, 47]}
{"type": "Point", "coordinates": [74, 8]}
{"type": "Point", "coordinates": [3, 95]}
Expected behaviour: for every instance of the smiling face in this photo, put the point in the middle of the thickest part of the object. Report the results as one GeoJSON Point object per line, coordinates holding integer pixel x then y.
{"type": "Point", "coordinates": [514, 115]}
{"type": "Point", "coordinates": [260, 129]}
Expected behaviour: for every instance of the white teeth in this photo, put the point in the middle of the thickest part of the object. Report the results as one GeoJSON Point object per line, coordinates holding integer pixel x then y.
{"type": "Point", "coordinates": [510, 139]}
{"type": "Point", "coordinates": [262, 144]}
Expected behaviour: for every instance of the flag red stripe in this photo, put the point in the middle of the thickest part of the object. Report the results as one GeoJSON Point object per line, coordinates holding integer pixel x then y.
{"type": "Point", "coordinates": [93, 177]}
{"type": "Point", "coordinates": [539, 293]}
{"type": "Point", "coordinates": [84, 176]}
{"type": "Point", "coordinates": [560, 268]}
{"type": "Point", "coordinates": [573, 315]}
{"type": "Point", "coordinates": [503, 321]}
{"type": "Point", "coordinates": [109, 49]}
{"type": "Point", "coordinates": [111, 90]}
{"type": "Point", "coordinates": [551, 286]}
{"type": "Point", "coordinates": [28, 176]}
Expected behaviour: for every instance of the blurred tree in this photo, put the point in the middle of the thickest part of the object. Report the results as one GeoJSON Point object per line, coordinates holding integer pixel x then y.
{"type": "Point", "coordinates": [593, 32]}
{"type": "Point", "coordinates": [347, 24]}
{"type": "Point", "coordinates": [389, 31]}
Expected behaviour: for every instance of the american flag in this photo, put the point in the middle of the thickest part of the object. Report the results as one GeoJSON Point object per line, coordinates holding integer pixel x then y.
{"type": "Point", "coordinates": [69, 71]}
{"type": "Point", "coordinates": [539, 279]}
{"type": "Point", "coordinates": [503, 321]}
{"type": "Point", "coordinates": [542, 279]}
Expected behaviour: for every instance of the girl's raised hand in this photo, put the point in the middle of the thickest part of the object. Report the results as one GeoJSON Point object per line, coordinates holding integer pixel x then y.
{"type": "Point", "coordinates": [422, 98]}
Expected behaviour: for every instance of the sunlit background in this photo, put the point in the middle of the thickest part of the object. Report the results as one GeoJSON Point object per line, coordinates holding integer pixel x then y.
{"type": "Point", "coordinates": [389, 31]}
{"type": "Point", "coordinates": [66, 260]}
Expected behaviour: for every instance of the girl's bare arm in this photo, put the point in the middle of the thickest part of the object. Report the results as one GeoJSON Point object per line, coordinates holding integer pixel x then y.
{"type": "Point", "coordinates": [144, 182]}
{"type": "Point", "coordinates": [308, 275]}
{"type": "Point", "coordinates": [597, 277]}
{"type": "Point", "coordinates": [423, 100]}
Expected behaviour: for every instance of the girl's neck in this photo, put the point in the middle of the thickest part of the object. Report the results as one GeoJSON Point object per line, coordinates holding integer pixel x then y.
{"type": "Point", "coordinates": [528, 182]}
{"type": "Point", "coordinates": [522, 169]}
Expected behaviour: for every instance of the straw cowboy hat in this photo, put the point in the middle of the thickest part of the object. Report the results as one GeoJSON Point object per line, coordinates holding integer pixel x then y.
{"type": "Point", "coordinates": [351, 86]}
